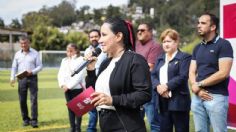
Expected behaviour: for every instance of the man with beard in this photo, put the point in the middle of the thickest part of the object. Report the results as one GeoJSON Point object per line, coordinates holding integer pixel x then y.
{"type": "Point", "coordinates": [94, 35]}
{"type": "Point", "coordinates": [209, 76]}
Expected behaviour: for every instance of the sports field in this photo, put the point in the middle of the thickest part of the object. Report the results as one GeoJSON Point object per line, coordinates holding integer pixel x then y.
{"type": "Point", "coordinates": [51, 103]}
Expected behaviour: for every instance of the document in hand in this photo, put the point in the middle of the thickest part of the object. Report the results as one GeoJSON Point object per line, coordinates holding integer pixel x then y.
{"type": "Point", "coordinates": [81, 103]}
{"type": "Point", "coordinates": [22, 75]}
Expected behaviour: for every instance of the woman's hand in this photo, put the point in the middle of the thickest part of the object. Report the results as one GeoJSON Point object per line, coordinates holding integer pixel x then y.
{"type": "Point", "coordinates": [65, 88]}
{"type": "Point", "coordinates": [165, 94]}
{"type": "Point", "coordinates": [162, 88]}
{"type": "Point", "coordinates": [101, 99]}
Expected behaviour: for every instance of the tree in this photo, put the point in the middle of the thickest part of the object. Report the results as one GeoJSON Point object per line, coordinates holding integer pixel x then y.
{"type": "Point", "coordinates": [83, 14]}
{"type": "Point", "coordinates": [32, 20]}
{"type": "Point", "coordinates": [62, 15]}
{"type": "Point", "coordinates": [15, 24]}
{"type": "Point", "coordinates": [97, 17]}
{"type": "Point", "coordinates": [55, 39]}
{"type": "Point", "coordinates": [178, 14]}
{"type": "Point", "coordinates": [39, 38]}
{"type": "Point", "coordinates": [2, 23]}
{"type": "Point", "coordinates": [47, 38]}
{"type": "Point", "coordinates": [112, 11]}
{"type": "Point", "coordinates": [78, 38]}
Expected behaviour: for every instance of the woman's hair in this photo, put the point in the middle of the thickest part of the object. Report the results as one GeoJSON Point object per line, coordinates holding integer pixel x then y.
{"type": "Point", "coordinates": [119, 25]}
{"type": "Point", "coordinates": [75, 47]}
{"type": "Point", "coordinates": [173, 34]}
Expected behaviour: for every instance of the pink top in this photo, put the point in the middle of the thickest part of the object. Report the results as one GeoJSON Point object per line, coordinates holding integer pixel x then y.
{"type": "Point", "coordinates": [150, 51]}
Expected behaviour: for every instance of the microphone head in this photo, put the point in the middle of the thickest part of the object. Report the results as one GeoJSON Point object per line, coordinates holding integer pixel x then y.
{"type": "Point", "coordinates": [96, 52]}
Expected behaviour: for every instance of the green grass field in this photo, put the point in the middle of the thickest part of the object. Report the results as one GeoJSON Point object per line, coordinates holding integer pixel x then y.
{"type": "Point", "coordinates": [51, 105]}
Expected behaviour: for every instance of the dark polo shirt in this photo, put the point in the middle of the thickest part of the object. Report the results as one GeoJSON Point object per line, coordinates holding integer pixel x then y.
{"type": "Point", "coordinates": [207, 56]}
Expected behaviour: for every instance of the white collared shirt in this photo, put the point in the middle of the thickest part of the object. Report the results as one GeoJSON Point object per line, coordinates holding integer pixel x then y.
{"type": "Point", "coordinates": [67, 68]}
{"type": "Point", "coordinates": [26, 61]}
{"type": "Point", "coordinates": [163, 76]}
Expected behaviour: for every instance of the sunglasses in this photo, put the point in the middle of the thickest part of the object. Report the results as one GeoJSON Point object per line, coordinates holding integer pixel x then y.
{"type": "Point", "coordinates": [141, 30]}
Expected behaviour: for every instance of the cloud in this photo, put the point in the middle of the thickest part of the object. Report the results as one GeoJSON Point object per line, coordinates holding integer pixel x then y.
{"type": "Point", "coordinates": [12, 9]}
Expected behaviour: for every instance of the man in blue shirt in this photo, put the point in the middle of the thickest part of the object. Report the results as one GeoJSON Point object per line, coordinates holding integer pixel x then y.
{"type": "Point", "coordinates": [27, 61]}
{"type": "Point", "coordinates": [209, 76]}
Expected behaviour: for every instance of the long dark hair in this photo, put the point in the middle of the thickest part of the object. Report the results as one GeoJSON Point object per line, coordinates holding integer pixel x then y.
{"type": "Point", "coordinates": [126, 28]}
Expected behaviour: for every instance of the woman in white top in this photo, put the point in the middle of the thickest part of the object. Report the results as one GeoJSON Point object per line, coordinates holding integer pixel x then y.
{"type": "Point", "coordinates": [72, 86]}
{"type": "Point", "coordinates": [123, 82]}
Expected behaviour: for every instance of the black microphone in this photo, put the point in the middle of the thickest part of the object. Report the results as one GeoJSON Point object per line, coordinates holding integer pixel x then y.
{"type": "Point", "coordinates": [95, 53]}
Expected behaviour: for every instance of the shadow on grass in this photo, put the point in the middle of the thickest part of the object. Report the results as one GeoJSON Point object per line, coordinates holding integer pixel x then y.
{"type": "Point", "coordinates": [41, 80]}
{"type": "Point", "coordinates": [52, 130]}
{"type": "Point", "coordinates": [60, 125]}
{"type": "Point", "coordinates": [48, 126]}
{"type": "Point", "coordinates": [43, 94]}
{"type": "Point", "coordinates": [53, 122]}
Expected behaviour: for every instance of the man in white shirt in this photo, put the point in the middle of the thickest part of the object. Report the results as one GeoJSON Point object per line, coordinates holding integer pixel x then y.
{"type": "Point", "coordinates": [27, 61]}
{"type": "Point", "coordinates": [94, 36]}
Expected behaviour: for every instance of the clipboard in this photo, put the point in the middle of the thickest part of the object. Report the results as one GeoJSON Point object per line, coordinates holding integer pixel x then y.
{"type": "Point", "coordinates": [22, 75]}
{"type": "Point", "coordinates": [80, 104]}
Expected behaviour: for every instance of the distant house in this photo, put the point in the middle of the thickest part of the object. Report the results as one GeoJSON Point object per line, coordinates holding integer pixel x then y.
{"type": "Point", "coordinates": [8, 46]}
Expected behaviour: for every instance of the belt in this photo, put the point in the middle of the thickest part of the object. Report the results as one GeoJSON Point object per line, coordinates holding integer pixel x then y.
{"type": "Point", "coordinates": [32, 76]}
{"type": "Point", "coordinates": [102, 110]}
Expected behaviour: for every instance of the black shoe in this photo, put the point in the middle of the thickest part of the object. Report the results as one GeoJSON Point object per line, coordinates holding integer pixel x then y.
{"type": "Point", "coordinates": [26, 123]}
{"type": "Point", "coordinates": [34, 124]}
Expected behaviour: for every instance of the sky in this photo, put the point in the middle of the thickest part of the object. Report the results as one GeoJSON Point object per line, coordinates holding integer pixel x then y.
{"type": "Point", "coordinates": [11, 9]}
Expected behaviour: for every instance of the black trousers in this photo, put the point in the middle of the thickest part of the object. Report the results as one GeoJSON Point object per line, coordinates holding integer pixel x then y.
{"type": "Point", "coordinates": [24, 84]}
{"type": "Point", "coordinates": [110, 122]}
{"type": "Point", "coordinates": [75, 122]}
{"type": "Point", "coordinates": [179, 119]}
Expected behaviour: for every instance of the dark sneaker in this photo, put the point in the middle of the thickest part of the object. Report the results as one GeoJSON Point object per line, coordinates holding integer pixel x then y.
{"type": "Point", "coordinates": [34, 124]}
{"type": "Point", "coordinates": [26, 123]}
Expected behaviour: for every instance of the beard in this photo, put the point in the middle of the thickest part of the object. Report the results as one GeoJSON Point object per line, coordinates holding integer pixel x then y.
{"type": "Point", "coordinates": [95, 44]}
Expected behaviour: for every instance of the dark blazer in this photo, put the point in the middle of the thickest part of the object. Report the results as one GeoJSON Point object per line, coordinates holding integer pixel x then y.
{"type": "Point", "coordinates": [178, 69]}
{"type": "Point", "coordinates": [130, 87]}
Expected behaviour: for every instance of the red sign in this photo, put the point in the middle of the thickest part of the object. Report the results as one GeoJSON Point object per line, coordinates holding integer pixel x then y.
{"type": "Point", "coordinates": [81, 103]}
{"type": "Point", "coordinates": [229, 21]}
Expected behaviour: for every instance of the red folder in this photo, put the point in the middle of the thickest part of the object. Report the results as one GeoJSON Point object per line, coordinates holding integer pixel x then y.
{"type": "Point", "coordinates": [81, 103]}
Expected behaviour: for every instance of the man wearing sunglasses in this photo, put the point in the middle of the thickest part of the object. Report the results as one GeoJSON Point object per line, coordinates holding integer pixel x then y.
{"type": "Point", "coordinates": [150, 50]}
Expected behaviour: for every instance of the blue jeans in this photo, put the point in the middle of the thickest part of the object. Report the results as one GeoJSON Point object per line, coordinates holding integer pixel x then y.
{"type": "Point", "coordinates": [212, 112]}
{"type": "Point", "coordinates": [93, 118]}
{"type": "Point", "coordinates": [151, 111]}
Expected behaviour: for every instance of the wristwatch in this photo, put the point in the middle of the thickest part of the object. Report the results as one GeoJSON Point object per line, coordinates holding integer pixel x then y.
{"type": "Point", "coordinates": [199, 84]}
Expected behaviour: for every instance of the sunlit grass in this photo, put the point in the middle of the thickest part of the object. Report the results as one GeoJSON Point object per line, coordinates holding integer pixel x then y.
{"type": "Point", "coordinates": [53, 116]}
{"type": "Point", "coordinates": [52, 108]}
